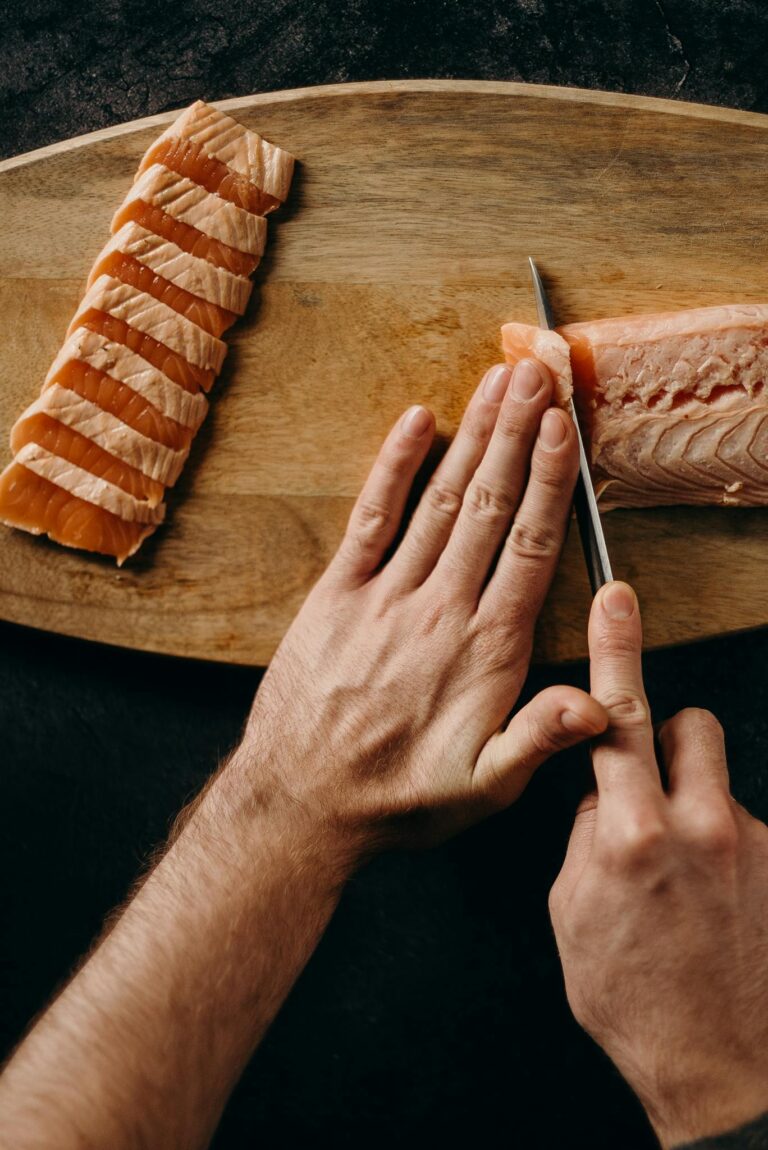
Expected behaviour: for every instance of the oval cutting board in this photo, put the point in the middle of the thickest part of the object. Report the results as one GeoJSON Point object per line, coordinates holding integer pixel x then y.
{"type": "Point", "coordinates": [401, 251]}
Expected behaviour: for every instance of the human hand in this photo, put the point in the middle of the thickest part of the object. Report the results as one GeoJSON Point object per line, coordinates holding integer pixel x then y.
{"type": "Point", "coordinates": [661, 907]}
{"type": "Point", "coordinates": [381, 712]}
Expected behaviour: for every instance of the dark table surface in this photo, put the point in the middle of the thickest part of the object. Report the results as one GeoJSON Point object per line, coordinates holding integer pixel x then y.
{"type": "Point", "coordinates": [433, 1012]}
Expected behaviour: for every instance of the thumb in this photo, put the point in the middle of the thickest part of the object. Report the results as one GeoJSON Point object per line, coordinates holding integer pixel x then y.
{"type": "Point", "coordinates": [556, 718]}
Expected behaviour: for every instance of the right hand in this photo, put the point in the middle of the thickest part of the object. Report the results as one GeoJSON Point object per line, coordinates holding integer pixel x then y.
{"type": "Point", "coordinates": [661, 907]}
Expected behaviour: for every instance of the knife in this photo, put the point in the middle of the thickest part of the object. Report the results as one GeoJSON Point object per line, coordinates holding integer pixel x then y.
{"type": "Point", "coordinates": [584, 499]}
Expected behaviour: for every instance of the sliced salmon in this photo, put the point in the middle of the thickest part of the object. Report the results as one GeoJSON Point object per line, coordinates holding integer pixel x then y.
{"type": "Point", "coordinates": [153, 459]}
{"type": "Point", "coordinates": [86, 486]}
{"type": "Point", "coordinates": [187, 158]}
{"type": "Point", "coordinates": [45, 430]}
{"type": "Point", "coordinates": [120, 405]}
{"type": "Point", "coordinates": [215, 217]}
{"type": "Point", "coordinates": [187, 237]}
{"type": "Point", "coordinates": [674, 405]}
{"type": "Point", "coordinates": [39, 506]}
{"type": "Point", "coordinates": [212, 149]}
{"type": "Point", "coordinates": [170, 363]}
{"type": "Point", "coordinates": [141, 376]}
{"type": "Point", "coordinates": [154, 318]}
{"type": "Point", "coordinates": [133, 409]}
{"type": "Point", "coordinates": [130, 271]}
{"type": "Point", "coordinates": [201, 279]}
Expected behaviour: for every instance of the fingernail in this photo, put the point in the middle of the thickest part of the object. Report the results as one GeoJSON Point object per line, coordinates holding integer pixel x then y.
{"type": "Point", "coordinates": [497, 382]}
{"type": "Point", "coordinates": [618, 601]}
{"type": "Point", "coordinates": [552, 430]}
{"type": "Point", "coordinates": [576, 723]}
{"type": "Point", "coordinates": [527, 380]}
{"type": "Point", "coordinates": [415, 421]}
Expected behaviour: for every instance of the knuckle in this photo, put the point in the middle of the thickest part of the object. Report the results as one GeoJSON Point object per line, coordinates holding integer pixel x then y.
{"type": "Point", "coordinates": [487, 502]}
{"type": "Point", "coordinates": [554, 472]}
{"type": "Point", "coordinates": [368, 524]}
{"type": "Point", "coordinates": [615, 642]}
{"type": "Point", "coordinates": [626, 708]}
{"type": "Point", "coordinates": [636, 843]}
{"type": "Point", "coordinates": [397, 461]}
{"type": "Point", "coordinates": [701, 718]}
{"type": "Point", "coordinates": [533, 540]}
{"type": "Point", "coordinates": [443, 499]}
{"type": "Point", "coordinates": [714, 830]}
{"type": "Point", "coordinates": [511, 426]}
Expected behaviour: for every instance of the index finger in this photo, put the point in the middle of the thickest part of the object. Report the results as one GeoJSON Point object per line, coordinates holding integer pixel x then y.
{"type": "Point", "coordinates": [623, 758]}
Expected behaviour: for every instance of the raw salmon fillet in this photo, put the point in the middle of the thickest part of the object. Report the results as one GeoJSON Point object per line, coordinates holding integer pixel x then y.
{"type": "Point", "coordinates": [114, 422]}
{"type": "Point", "coordinates": [674, 406]}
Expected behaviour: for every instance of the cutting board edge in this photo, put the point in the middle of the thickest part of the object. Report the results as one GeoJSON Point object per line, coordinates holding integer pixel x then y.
{"type": "Point", "coordinates": [219, 656]}
{"type": "Point", "coordinates": [377, 87]}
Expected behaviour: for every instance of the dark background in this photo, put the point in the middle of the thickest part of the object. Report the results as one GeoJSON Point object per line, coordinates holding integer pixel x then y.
{"type": "Point", "coordinates": [433, 1012]}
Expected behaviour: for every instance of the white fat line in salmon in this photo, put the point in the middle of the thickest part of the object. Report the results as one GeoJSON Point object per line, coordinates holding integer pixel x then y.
{"type": "Point", "coordinates": [88, 487]}
{"type": "Point", "coordinates": [266, 166]}
{"type": "Point", "coordinates": [124, 365]}
{"type": "Point", "coordinates": [151, 458]}
{"type": "Point", "coordinates": [215, 217]}
{"type": "Point", "coordinates": [195, 275]}
{"type": "Point", "coordinates": [153, 318]}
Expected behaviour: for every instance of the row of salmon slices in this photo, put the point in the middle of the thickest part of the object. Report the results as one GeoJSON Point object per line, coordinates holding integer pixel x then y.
{"type": "Point", "coordinates": [113, 424]}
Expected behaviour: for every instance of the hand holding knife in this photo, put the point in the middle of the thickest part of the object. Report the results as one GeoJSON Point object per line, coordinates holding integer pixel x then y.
{"type": "Point", "coordinates": [584, 498]}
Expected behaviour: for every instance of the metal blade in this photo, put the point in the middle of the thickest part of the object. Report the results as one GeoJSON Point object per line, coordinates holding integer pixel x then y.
{"type": "Point", "coordinates": [584, 499]}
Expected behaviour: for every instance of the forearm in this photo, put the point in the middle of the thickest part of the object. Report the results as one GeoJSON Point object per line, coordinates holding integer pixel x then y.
{"type": "Point", "coordinates": [146, 1042]}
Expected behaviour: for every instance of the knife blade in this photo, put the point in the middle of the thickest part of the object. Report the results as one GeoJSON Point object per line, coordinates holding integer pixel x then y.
{"type": "Point", "coordinates": [584, 498]}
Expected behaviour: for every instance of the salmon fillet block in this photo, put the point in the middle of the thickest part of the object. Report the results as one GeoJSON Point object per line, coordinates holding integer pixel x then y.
{"type": "Point", "coordinates": [122, 401]}
{"type": "Point", "coordinates": [674, 406]}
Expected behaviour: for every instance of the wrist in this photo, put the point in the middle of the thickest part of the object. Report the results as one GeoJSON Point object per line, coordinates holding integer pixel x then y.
{"type": "Point", "coordinates": [247, 803]}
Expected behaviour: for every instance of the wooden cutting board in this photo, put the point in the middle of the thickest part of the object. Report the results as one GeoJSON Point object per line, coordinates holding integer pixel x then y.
{"type": "Point", "coordinates": [402, 250]}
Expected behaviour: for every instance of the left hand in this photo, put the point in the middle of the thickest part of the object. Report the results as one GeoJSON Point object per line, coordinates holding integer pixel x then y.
{"type": "Point", "coordinates": [382, 714]}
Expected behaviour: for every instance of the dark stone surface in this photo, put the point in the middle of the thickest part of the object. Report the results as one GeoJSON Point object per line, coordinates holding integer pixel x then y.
{"type": "Point", "coordinates": [71, 68]}
{"type": "Point", "coordinates": [433, 1013]}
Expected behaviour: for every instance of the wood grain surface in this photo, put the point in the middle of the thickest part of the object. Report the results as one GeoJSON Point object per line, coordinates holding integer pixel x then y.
{"type": "Point", "coordinates": [400, 253]}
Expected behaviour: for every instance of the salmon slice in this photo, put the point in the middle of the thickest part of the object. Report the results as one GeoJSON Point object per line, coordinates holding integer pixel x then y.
{"type": "Point", "coordinates": [188, 158]}
{"type": "Point", "coordinates": [111, 395]}
{"type": "Point", "coordinates": [213, 150]}
{"type": "Point", "coordinates": [64, 441]}
{"type": "Point", "coordinates": [674, 405]}
{"type": "Point", "coordinates": [89, 487]}
{"type": "Point", "coordinates": [230, 293]}
{"type": "Point", "coordinates": [37, 505]}
{"type": "Point", "coordinates": [187, 237]}
{"type": "Point", "coordinates": [181, 198]}
{"type": "Point", "coordinates": [154, 318]}
{"type": "Point", "coordinates": [137, 373]}
{"type": "Point", "coordinates": [130, 271]}
{"type": "Point", "coordinates": [151, 458]}
{"type": "Point", "coordinates": [174, 366]}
